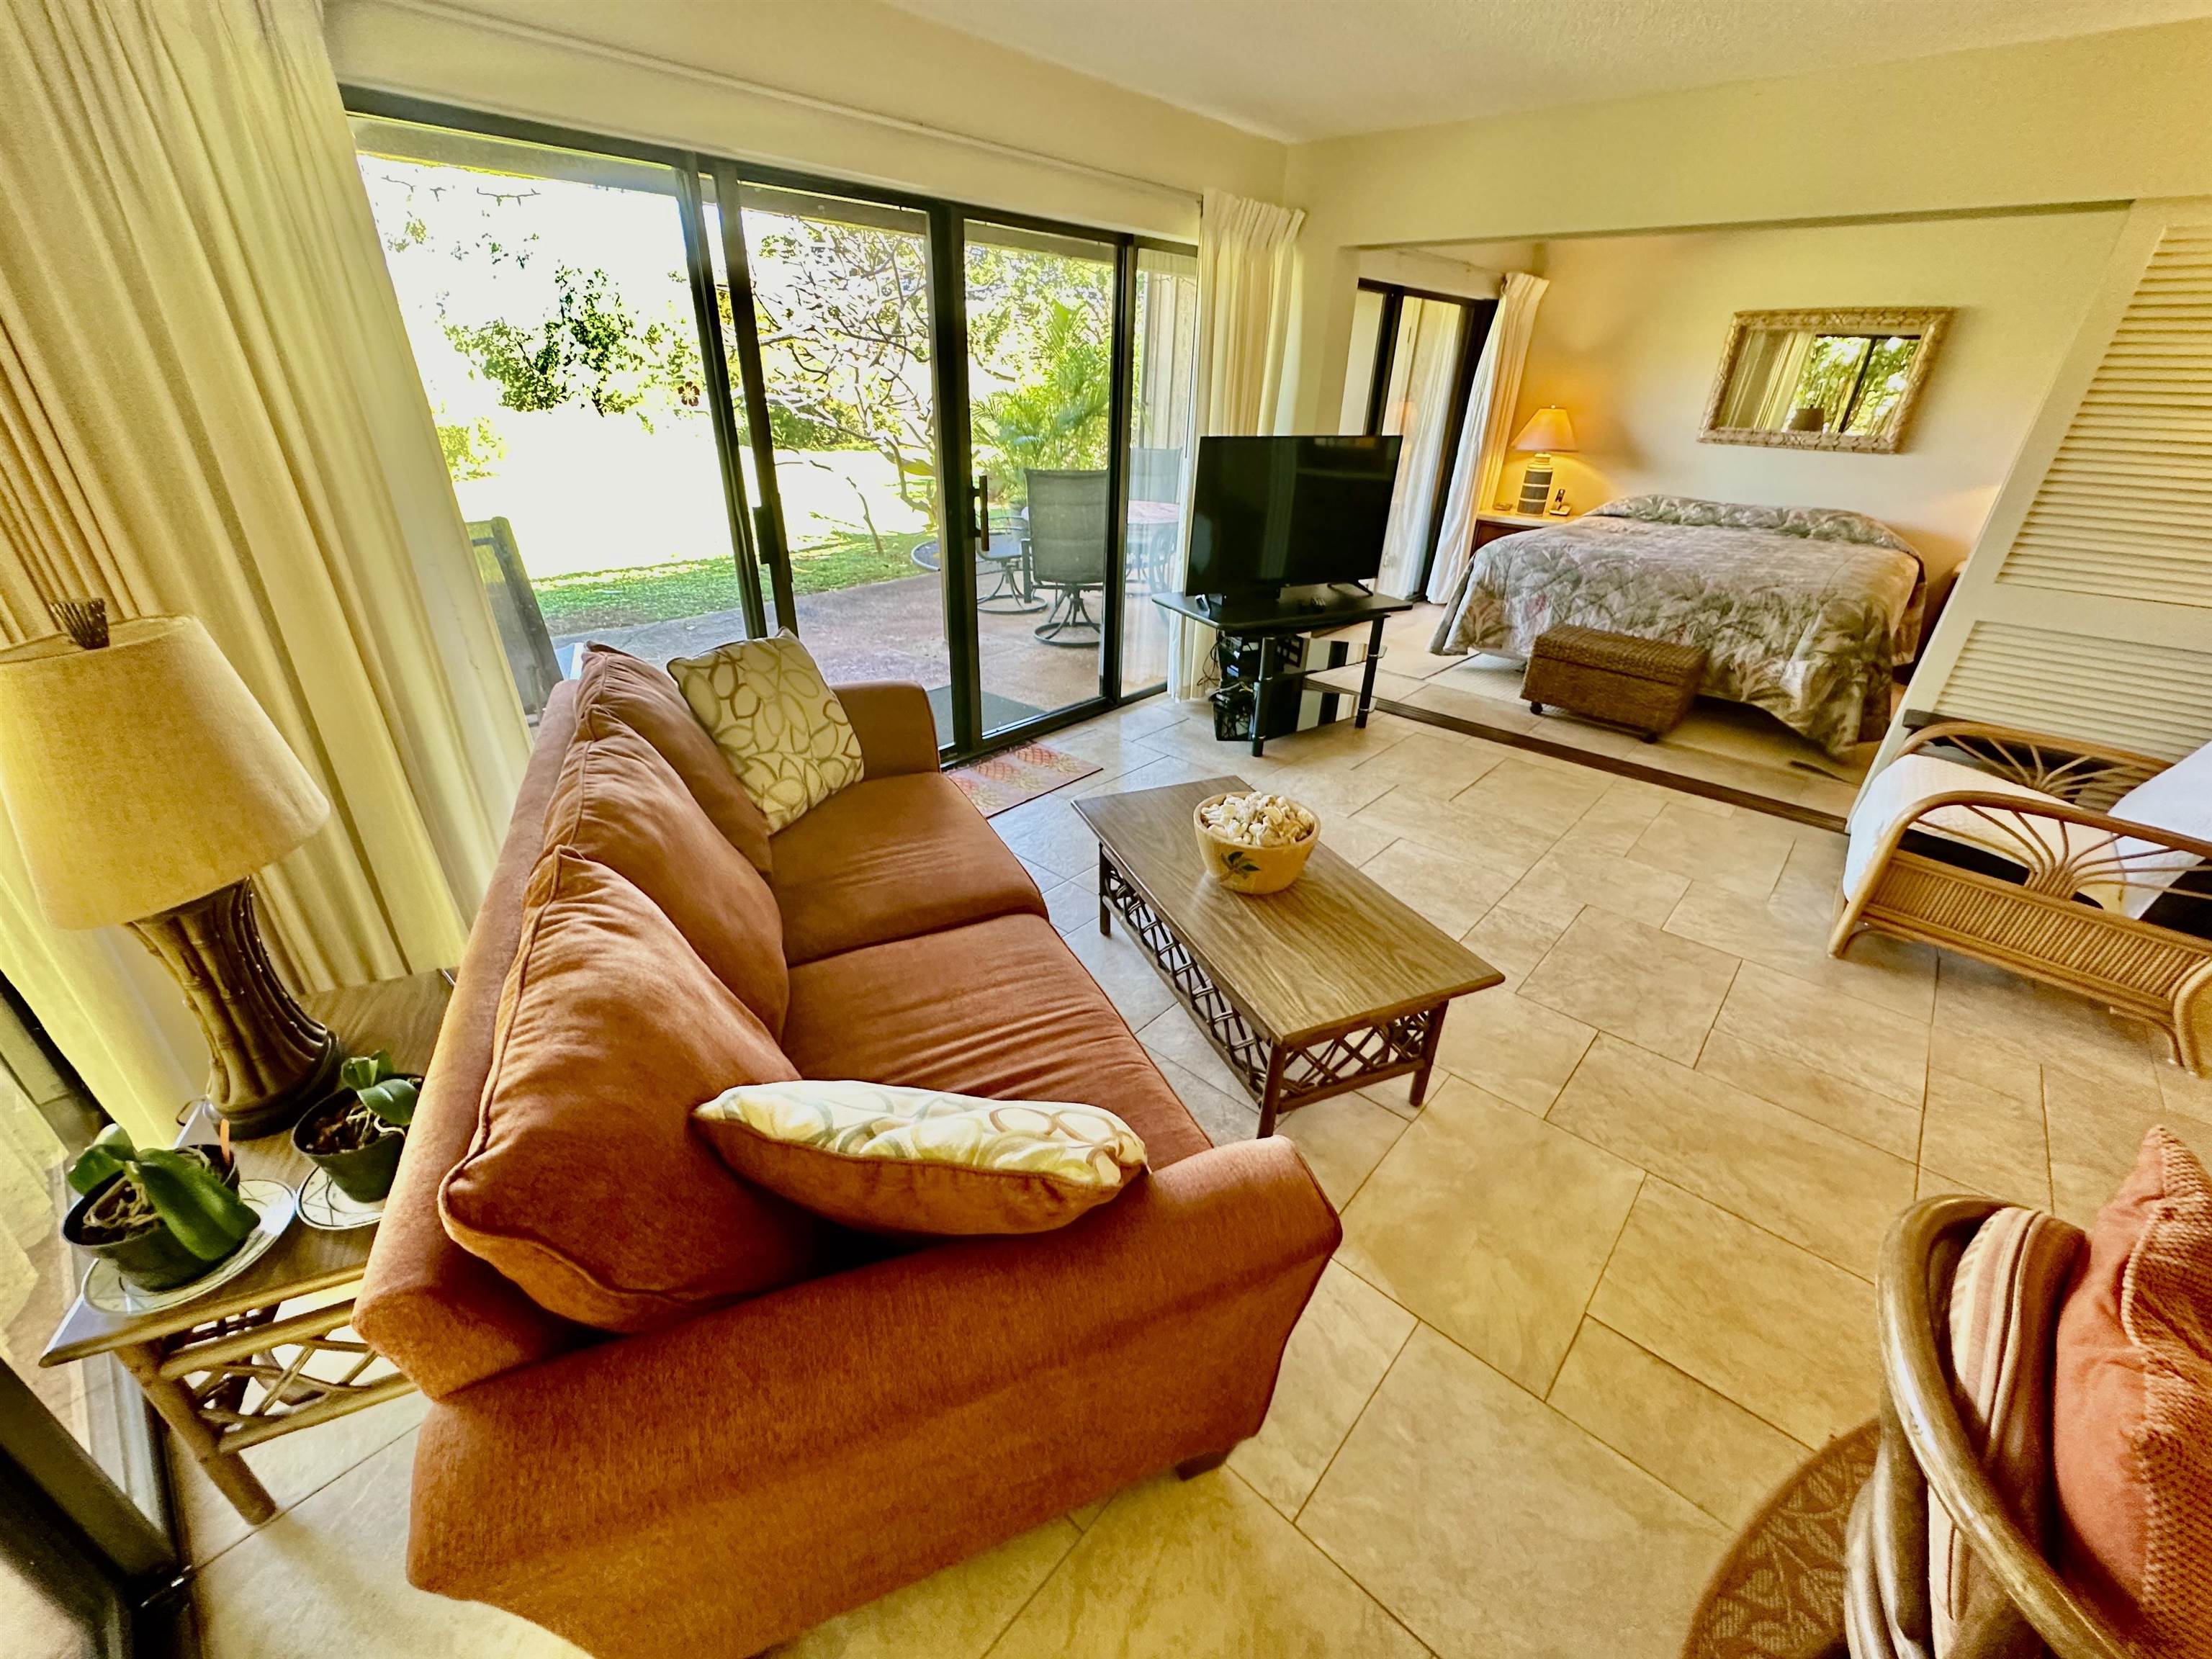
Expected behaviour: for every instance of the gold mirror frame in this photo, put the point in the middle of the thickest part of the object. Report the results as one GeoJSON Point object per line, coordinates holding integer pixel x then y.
{"type": "Point", "coordinates": [1928, 322]}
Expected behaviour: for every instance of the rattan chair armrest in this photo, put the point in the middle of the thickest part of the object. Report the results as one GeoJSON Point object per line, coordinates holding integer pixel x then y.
{"type": "Point", "coordinates": [1920, 1394]}
{"type": "Point", "coordinates": [1942, 730]}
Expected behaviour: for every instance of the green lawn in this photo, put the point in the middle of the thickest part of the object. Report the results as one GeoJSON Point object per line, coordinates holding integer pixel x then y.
{"type": "Point", "coordinates": [599, 600]}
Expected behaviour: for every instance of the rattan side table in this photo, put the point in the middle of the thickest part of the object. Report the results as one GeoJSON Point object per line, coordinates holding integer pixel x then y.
{"type": "Point", "coordinates": [230, 1370]}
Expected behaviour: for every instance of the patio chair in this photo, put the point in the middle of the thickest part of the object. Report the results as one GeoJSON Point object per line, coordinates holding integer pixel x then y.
{"type": "Point", "coordinates": [1070, 550]}
{"type": "Point", "coordinates": [2019, 850]}
{"type": "Point", "coordinates": [522, 632]}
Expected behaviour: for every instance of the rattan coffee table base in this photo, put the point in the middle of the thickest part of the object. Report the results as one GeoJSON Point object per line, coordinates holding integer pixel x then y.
{"type": "Point", "coordinates": [1280, 1076]}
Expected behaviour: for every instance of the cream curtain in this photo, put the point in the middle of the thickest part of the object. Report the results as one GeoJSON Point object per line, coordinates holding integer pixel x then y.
{"type": "Point", "coordinates": [1246, 258]}
{"type": "Point", "coordinates": [1419, 409]}
{"type": "Point", "coordinates": [208, 405]}
{"type": "Point", "coordinates": [1492, 403]}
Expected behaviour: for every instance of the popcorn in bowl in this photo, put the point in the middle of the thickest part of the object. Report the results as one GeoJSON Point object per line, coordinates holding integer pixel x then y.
{"type": "Point", "coordinates": [1255, 842]}
{"type": "Point", "coordinates": [1258, 819]}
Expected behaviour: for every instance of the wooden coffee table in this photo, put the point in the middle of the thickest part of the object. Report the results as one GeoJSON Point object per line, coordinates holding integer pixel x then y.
{"type": "Point", "coordinates": [1328, 986]}
{"type": "Point", "coordinates": [196, 1362]}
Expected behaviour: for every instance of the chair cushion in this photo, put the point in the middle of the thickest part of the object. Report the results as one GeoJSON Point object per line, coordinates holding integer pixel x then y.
{"type": "Point", "coordinates": [776, 721]}
{"type": "Point", "coordinates": [614, 686]}
{"type": "Point", "coordinates": [2005, 1298]}
{"type": "Point", "coordinates": [998, 1008]}
{"type": "Point", "coordinates": [619, 804]}
{"type": "Point", "coordinates": [2178, 798]}
{"type": "Point", "coordinates": [2131, 1429]}
{"type": "Point", "coordinates": [890, 858]}
{"type": "Point", "coordinates": [894, 1160]}
{"type": "Point", "coordinates": [584, 1184]}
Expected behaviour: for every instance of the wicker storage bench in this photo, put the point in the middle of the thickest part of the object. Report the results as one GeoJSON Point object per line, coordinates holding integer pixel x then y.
{"type": "Point", "coordinates": [1645, 684]}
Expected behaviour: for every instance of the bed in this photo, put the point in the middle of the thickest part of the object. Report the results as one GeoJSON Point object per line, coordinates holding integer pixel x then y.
{"type": "Point", "coordinates": [1803, 611]}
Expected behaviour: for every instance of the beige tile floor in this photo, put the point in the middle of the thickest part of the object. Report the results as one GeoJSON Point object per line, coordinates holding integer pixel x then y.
{"type": "Point", "coordinates": [1720, 743]}
{"type": "Point", "coordinates": [1593, 1301]}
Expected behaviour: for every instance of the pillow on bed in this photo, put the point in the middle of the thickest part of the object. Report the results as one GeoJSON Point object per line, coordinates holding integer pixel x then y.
{"type": "Point", "coordinates": [1819, 524]}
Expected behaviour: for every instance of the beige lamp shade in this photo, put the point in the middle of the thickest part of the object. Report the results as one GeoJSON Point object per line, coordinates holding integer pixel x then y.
{"type": "Point", "coordinates": [1548, 432]}
{"type": "Point", "coordinates": [143, 774]}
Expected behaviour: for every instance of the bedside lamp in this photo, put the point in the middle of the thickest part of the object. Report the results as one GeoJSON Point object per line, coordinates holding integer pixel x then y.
{"type": "Point", "coordinates": [146, 785]}
{"type": "Point", "coordinates": [1549, 433]}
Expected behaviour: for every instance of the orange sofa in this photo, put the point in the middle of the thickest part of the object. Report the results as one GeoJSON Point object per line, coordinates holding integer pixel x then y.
{"type": "Point", "coordinates": [724, 1482]}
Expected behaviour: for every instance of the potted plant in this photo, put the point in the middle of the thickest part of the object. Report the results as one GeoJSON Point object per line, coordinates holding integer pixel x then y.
{"type": "Point", "coordinates": [356, 1134]}
{"type": "Point", "coordinates": [163, 1217]}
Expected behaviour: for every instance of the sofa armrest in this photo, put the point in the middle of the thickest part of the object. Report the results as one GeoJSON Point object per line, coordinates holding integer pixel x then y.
{"type": "Point", "coordinates": [893, 721]}
{"type": "Point", "coordinates": [785, 1399]}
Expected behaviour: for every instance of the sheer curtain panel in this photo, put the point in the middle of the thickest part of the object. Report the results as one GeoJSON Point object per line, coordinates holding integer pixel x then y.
{"type": "Point", "coordinates": [1247, 254]}
{"type": "Point", "coordinates": [208, 406]}
{"type": "Point", "coordinates": [1491, 405]}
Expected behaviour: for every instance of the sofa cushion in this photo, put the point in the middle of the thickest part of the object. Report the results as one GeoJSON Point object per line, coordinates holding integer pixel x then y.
{"type": "Point", "coordinates": [999, 1008]}
{"type": "Point", "coordinates": [889, 858]}
{"type": "Point", "coordinates": [614, 686]}
{"type": "Point", "coordinates": [776, 721]}
{"type": "Point", "coordinates": [2132, 1424]}
{"type": "Point", "coordinates": [888, 1159]}
{"type": "Point", "coordinates": [619, 804]}
{"type": "Point", "coordinates": [583, 1182]}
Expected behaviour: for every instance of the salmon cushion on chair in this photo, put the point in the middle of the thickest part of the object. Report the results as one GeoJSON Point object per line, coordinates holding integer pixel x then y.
{"type": "Point", "coordinates": [2132, 1424]}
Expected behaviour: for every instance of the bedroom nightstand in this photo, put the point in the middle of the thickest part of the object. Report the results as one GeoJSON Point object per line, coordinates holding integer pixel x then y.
{"type": "Point", "coordinates": [1497, 521]}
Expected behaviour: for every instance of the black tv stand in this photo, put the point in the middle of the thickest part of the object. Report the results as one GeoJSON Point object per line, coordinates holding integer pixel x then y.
{"type": "Point", "coordinates": [1256, 619]}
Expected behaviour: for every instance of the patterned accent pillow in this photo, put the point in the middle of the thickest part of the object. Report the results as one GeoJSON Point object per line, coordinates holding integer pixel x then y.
{"type": "Point", "coordinates": [885, 1158]}
{"type": "Point", "coordinates": [776, 721]}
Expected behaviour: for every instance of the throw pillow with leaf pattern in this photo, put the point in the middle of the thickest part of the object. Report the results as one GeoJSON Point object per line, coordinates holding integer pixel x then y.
{"type": "Point", "coordinates": [887, 1158]}
{"type": "Point", "coordinates": [776, 721]}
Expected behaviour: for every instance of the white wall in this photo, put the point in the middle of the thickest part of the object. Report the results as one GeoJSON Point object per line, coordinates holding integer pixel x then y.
{"type": "Point", "coordinates": [2097, 118]}
{"type": "Point", "coordinates": [775, 83]}
{"type": "Point", "coordinates": [1629, 335]}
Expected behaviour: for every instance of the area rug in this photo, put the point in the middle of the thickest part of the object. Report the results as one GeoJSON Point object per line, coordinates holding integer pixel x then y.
{"type": "Point", "coordinates": [1779, 1594]}
{"type": "Point", "coordinates": [1014, 775]}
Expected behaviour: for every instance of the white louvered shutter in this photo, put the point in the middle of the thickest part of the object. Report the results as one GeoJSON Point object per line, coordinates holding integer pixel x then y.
{"type": "Point", "coordinates": [2085, 610]}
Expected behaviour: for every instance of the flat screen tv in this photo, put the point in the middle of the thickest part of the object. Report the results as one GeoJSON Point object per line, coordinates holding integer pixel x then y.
{"type": "Point", "coordinates": [1275, 512]}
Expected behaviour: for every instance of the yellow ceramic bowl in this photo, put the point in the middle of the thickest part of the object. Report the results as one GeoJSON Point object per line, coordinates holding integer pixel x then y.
{"type": "Point", "coordinates": [1244, 869]}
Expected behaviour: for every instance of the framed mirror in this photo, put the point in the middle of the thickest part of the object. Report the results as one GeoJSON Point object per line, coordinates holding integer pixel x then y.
{"type": "Point", "coordinates": [1822, 379]}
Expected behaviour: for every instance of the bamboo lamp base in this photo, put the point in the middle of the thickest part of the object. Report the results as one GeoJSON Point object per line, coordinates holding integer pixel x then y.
{"type": "Point", "coordinates": [272, 1058]}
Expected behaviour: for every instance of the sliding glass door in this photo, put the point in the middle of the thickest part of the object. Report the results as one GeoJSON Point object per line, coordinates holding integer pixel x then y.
{"type": "Point", "coordinates": [686, 400]}
{"type": "Point", "coordinates": [1412, 364]}
{"type": "Point", "coordinates": [1041, 315]}
{"type": "Point", "coordinates": [548, 294]}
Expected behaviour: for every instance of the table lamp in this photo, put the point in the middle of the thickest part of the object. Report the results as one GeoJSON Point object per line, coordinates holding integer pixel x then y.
{"type": "Point", "coordinates": [146, 785]}
{"type": "Point", "coordinates": [1549, 431]}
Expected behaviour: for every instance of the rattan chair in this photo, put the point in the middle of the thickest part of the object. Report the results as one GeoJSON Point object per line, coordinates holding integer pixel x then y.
{"type": "Point", "coordinates": [1926, 1456]}
{"type": "Point", "coordinates": [2035, 925]}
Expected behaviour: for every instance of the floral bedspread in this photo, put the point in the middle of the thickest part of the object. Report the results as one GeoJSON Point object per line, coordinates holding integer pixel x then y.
{"type": "Point", "coordinates": [1803, 611]}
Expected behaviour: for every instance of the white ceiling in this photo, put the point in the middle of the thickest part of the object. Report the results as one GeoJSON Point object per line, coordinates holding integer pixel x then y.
{"type": "Point", "coordinates": [1301, 70]}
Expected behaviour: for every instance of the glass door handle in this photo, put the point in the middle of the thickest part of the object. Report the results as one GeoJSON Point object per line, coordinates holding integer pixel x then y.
{"type": "Point", "coordinates": [983, 512]}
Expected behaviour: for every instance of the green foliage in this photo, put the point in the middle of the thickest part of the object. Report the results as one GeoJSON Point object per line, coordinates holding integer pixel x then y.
{"type": "Point", "coordinates": [204, 1214]}
{"type": "Point", "coordinates": [1857, 379]}
{"type": "Point", "coordinates": [599, 601]}
{"type": "Point", "coordinates": [388, 1096]}
{"type": "Point", "coordinates": [591, 351]}
{"type": "Point", "coordinates": [843, 315]}
{"type": "Point", "coordinates": [1060, 420]}
{"type": "Point", "coordinates": [471, 448]}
